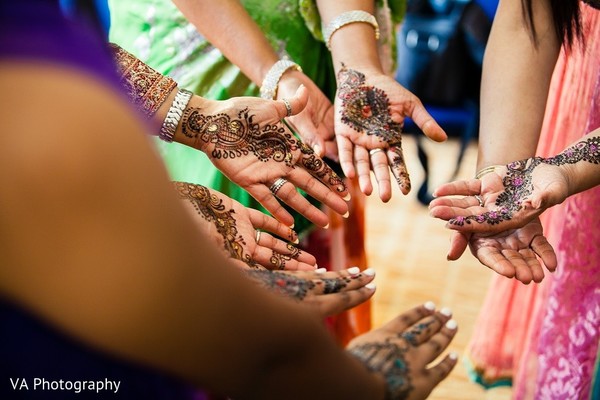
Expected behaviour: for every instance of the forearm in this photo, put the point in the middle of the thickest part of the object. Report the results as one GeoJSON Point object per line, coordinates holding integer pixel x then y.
{"type": "Point", "coordinates": [515, 83]}
{"type": "Point", "coordinates": [581, 163]}
{"type": "Point", "coordinates": [354, 44]}
{"type": "Point", "coordinates": [233, 32]}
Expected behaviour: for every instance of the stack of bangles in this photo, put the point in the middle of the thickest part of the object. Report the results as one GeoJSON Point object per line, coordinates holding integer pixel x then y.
{"type": "Point", "coordinates": [484, 171]}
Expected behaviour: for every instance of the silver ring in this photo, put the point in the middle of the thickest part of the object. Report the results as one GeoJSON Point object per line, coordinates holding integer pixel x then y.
{"type": "Point", "coordinates": [257, 235]}
{"type": "Point", "coordinates": [479, 199]}
{"type": "Point", "coordinates": [374, 151]}
{"type": "Point", "coordinates": [274, 188]}
{"type": "Point", "coordinates": [288, 107]}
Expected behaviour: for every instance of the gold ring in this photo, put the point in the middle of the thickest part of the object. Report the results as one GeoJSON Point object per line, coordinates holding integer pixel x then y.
{"type": "Point", "coordinates": [374, 151]}
{"type": "Point", "coordinates": [274, 188]}
{"type": "Point", "coordinates": [479, 199]}
{"type": "Point", "coordinates": [288, 107]}
{"type": "Point", "coordinates": [257, 236]}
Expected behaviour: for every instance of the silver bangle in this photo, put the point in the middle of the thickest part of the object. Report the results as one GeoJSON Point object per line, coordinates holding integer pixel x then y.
{"type": "Point", "coordinates": [169, 125]}
{"type": "Point", "coordinates": [349, 17]}
{"type": "Point", "coordinates": [268, 89]}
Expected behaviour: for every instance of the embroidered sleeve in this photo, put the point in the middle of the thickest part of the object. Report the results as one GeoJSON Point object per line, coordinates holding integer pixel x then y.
{"type": "Point", "coordinates": [144, 86]}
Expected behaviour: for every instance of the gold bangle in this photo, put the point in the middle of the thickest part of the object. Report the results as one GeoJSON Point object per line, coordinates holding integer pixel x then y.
{"type": "Point", "coordinates": [349, 17]}
{"type": "Point", "coordinates": [486, 170]}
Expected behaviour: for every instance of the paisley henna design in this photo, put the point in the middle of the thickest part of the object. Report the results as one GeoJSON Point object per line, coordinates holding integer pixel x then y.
{"type": "Point", "coordinates": [294, 251]}
{"type": "Point", "coordinates": [319, 168]}
{"type": "Point", "coordinates": [278, 260]}
{"type": "Point", "coordinates": [518, 181]}
{"type": "Point", "coordinates": [282, 283]}
{"type": "Point", "coordinates": [334, 285]}
{"type": "Point", "coordinates": [411, 336]}
{"type": "Point", "coordinates": [399, 169]}
{"type": "Point", "coordinates": [365, 109]}
{"type": "Point", "coordinates": [211, 208]}
{"type": "Point", "coordinates": [388, 359]}
{"type": "Point", "coordinates": [237, 137]}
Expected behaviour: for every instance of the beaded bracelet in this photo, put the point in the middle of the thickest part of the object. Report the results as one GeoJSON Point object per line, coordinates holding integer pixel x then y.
{"type": "Point", "coordinates": [268, 89]}
{"type": "Point", "coordinates": [349, 17]}
{"type": "Point", "coordinates": [486, 170]}
{"type": "Point", "coordinates": [169, 125]}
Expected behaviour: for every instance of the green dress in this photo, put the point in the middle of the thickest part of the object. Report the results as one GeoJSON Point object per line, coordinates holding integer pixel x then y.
{"type": "Point", "coordinates": [157, 33]}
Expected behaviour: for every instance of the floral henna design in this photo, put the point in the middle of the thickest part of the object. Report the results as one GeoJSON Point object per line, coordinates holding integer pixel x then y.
{"type": "Point", "coordinates": [388, 359]}
{"type": "Point", "coordinates": [211, 208]}
{"type": "Point", "coordinates": [320, 169]}
{"type": "Point", "coordinates": [365, 109]}
{"type": "Point", "coordinates": [399, 169]}
{"type": "Point", "coordinates": [283, 283]}
{"type": "Point", "coordinates": [278, 260]}
{"type": "Point", "coordinates": [294, 251]}
{"type": "Point", "coordinates": [334, 285]}
{"type": "Point", "coordinates": [237, 137]}
{"type": "Point", "coordinates": [411, 336]}
{"type": "Point", "coordinates": [518, 181]}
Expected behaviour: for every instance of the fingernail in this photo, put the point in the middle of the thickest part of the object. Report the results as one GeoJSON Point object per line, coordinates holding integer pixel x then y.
{"type": "Point", "coordinates": [347, 197]}
{"type": "Point", "coordinates": [320, 270]}
{"type": "Point", "coordinates": [371, 286]}
{"type": "Point", "coordinates": [292, 226]}
{"type": "Point", "coordinates": [353, 270]}
{"type": "Point", "coordinates": [369, 272]}
{"type": "Point", "coordinates": [430, 305]}
{"type": "Point", "coordinates": [446, 311]}
{"type": "Point", "coordinates": [326, 226]}
{"type": "Point", "coordinates": [451, 324]}
{"type": "Point", "coordinates": [453, 356]}
{"type": "Point", "coordinates": [296, 241]}
{"type": "Point", "coordinates": [346, 215]}
{"type": "Point", "coordinates": [317, 149]}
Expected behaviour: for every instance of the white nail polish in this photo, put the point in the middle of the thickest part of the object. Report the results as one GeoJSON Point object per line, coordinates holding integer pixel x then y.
{"type": "Point", "coordinates": [451, 324]}
{"type": "Point", "coordinates": [353, 270]}
{"type": "Point", "coordinates": [430, 305]}
{"type": "Point", "coordinates": [446, 311]}
{"type": "Point", "coordinates": [369, 272]}
{"type": "Point", "coordinates": [453, 356]}
{"type": "Point", "coordinates": [321, 270]}
{"type": "Point", "coordinates": [296, 241]}
{"type": "Point", "coordinates": [326, 226]}
{"type": "Point", "coordinates": [347, 197]}
{"type": "Point", "coordinates": [346, 215]}
{"type": "Point", "coordinates": [371, 286]}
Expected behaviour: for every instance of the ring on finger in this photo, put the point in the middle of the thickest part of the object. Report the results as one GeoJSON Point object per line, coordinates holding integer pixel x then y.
{"type": "Point", "coordinates": [479, 199]}
{"type": "Point", "coordinates": [279, 182]}
{"type": "Point", "coordinates": [375, 151]}
{"type": "Point", "coordinates": [288, 107]}
{"type": "Point", "coordinates": [257, 235]}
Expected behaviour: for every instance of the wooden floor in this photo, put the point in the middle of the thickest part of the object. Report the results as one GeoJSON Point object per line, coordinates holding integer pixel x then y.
{"type": "Point", "coordinates": [408, 249]}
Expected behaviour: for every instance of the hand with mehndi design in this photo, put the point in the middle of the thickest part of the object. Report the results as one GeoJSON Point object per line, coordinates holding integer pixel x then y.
{"type": "Point", "coordinates": [370, 110]}
{"type": "Point", "coordinates": [234, 229]}
{"type": "Point", "coordinates": [246, 139]}
{"type": "Point", "coordinates": [314, 124]}
{"type": "Point", "coordinates": [328, 293]}
{"type": "Point", "coordinates": [401, 351]}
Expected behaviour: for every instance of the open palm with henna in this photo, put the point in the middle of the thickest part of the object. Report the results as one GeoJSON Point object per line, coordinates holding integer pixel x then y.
{"type": "Point", "coordinates": [370, 110]}
{"type": "Point", "coordinates": [242, 232]}
{"type": "Point", "coordinates": [402, 350]}
{"type": "Point", "coordinates": [246, 140]}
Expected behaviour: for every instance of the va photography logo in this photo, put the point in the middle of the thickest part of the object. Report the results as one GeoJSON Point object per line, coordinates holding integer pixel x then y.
{"type": "Point", "coordinates": [75, 386]}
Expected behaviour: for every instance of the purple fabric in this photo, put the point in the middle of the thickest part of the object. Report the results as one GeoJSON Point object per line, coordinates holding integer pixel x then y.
{"type": "Point", "coordinates": [37, 30]}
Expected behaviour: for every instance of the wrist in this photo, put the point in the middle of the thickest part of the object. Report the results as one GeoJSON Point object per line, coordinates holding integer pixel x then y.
{"type": "Point", "coordinates": [268, 88]}
{"type": "Point", "coordinates": [188, 132]}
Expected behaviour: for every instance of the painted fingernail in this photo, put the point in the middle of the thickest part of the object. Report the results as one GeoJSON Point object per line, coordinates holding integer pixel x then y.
{"type": "Point", "coordinates": [451, 324]}
{"type": "Point", "coordinates": [347, 197]}
{"type": "Point", "coordinates": [292, 226]}
{"type": "Point", "coordinates": [430, 305]}
{"type": "Point", "coordinates": [369, 272]}
{"type": "Point", "coordinates": [353, 270]}
{"type": "Point", "coordinates": [321, 270]}
{"type": "Point", "coordinates": [371, 286]}
{"type": "Point", "coordinates": [296, 241]}
{"type": "Point", "coordinates": [453, 356]}
{"type": "Point", "coordinates": [326, 226]}
{"type": "Point", "coordinates": [317, 149]}
{"type": "Point", "coordinates": [446, 311]}
{"type": "Point", "coordinates": [346, 215]}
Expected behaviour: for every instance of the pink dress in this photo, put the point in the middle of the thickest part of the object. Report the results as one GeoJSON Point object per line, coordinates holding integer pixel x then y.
{"type": "Point", "coordinates": [546, 336]}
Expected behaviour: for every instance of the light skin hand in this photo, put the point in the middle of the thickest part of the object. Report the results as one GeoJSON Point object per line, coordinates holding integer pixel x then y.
{"type": "Point", "coordinates": [314, 124]}
{"type": "Point", "coordinates": [246, 140]}
{"type": "Point", "coordinates": [370, 110]}
{"type": "Point", "coordinates": [401, 351]}
{"type": "Point", "coordinates": [327, 293]}
{"type": "Point", "coordinates": [233, 228]}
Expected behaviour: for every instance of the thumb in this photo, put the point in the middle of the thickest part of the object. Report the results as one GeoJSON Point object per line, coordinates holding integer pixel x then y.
{"type": "Point", "coordinates": [296, 104]}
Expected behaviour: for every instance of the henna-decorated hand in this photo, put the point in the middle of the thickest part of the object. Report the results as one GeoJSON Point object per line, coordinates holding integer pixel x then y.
{"type": "Point", "coordinates": [314, 124]}
{"type": "Point", "coordinates": [401, 351]}
{"type": "Point", "coordinates": [370, 110]}
{"type": "Point", "coordinates": [245, 138]}
{"type": "Point", "coordinates": [328, 293]}
{"type": "Point", "coordinates": [234, 228]}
